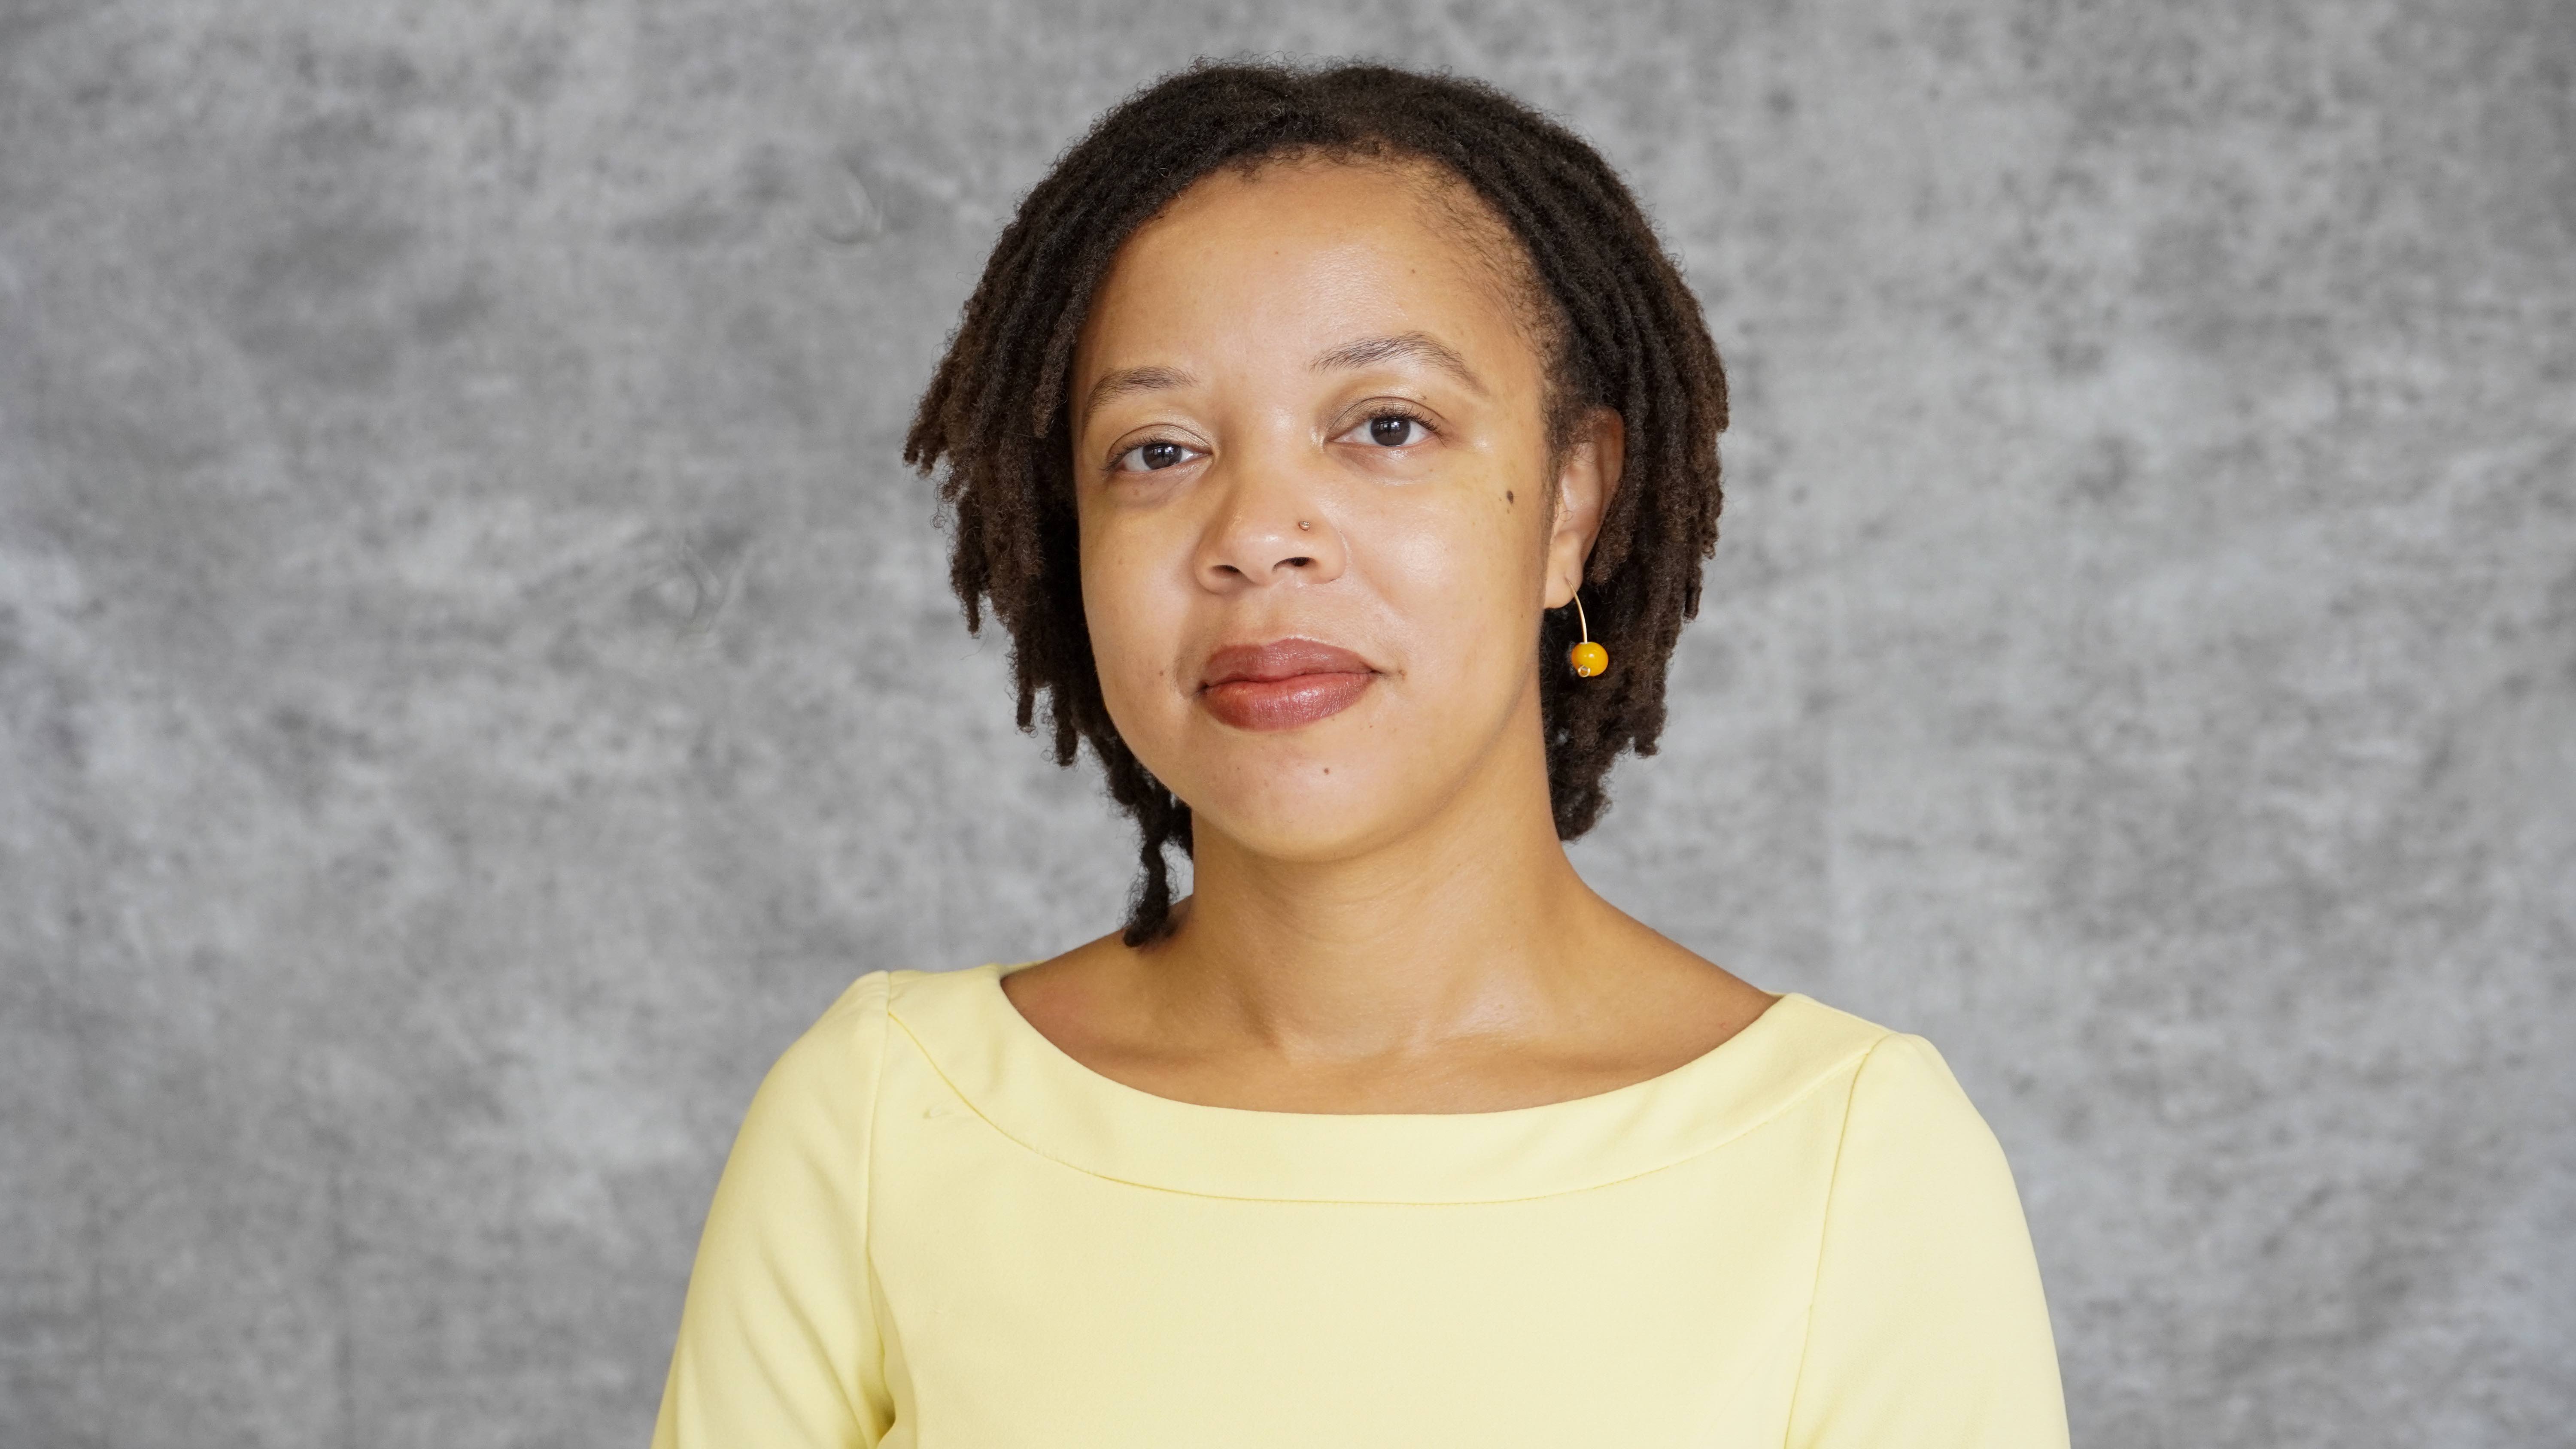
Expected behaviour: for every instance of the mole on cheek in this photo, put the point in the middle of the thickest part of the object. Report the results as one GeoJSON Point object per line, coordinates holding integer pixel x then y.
{"type": "Point", "coordinates": [1507, 497]}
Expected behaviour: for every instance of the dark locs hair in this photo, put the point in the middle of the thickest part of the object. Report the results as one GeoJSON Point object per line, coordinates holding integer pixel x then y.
{"type": "Point", "coordinates": [1630, 338]}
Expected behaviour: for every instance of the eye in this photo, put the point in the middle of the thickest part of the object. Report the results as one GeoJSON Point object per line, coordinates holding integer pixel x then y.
{"type": "Point", "coordinates": [1152, 457]}
{"type": "Point", "coordinates": [1391, 430]}
{"type": "Point", "coordinates": [1394, 430]}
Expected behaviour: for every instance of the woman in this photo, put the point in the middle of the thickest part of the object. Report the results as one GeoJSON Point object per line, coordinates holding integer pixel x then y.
{"type": "Point", "coordinates": [1339, 449]}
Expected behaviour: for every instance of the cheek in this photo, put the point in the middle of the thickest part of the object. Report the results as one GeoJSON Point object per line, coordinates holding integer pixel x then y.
{"type": "Point", "coordinates": [1463, 581]}
{"type": "Point", "coordinates": [1133, 618]}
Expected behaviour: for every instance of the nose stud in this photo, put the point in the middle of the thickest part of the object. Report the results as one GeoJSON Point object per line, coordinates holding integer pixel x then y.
{"type": "Point", "coordinates": [1301, 523]}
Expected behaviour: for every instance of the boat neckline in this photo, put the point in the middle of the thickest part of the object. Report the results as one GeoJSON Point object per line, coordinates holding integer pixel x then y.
{"type": "Point", "coordinates": [1006, 1071]}
{"type": "Point", "coordinates": [1067, 1062]}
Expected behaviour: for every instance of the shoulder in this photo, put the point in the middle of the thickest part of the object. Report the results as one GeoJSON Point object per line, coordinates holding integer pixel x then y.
{"type": "Point", "coordinates": [851, 1031]}
{"type": "Point", "coordinates": [827, 1077]}
{"type": "Point", "coordinates": [1903, 1076]}
{"type": "Point", "coordinates": [1914, 1152]}
{"type": "Point", "coordinates": [1903, 1112]}
{"type": "Point", "coordinates": [1886, 1071]}
{"type": "Point", "coordinates": [1927, 1324]}
{"type": "Point", "coordinates": [838, 1062]}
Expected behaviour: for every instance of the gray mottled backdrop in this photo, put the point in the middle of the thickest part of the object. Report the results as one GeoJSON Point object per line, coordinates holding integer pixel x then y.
{"type": "Point", "coordinates": [475, 678]}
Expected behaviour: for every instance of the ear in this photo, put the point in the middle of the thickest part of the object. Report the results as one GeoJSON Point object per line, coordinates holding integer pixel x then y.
{"type": "Point", "coordinates": [1584, 482]}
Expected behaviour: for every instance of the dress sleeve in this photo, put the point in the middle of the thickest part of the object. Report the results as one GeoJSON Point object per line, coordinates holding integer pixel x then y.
{"type": "Point", "coordinates": [1927, 1329]}
{"type": "Point", "coordinates": [778, 1344]}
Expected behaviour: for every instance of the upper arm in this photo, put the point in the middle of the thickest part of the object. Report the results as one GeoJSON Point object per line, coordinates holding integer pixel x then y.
{"type": "Point", "coordinates": [1927, 1326]}
{"type": "Point", "coordinates": [778, 1343]}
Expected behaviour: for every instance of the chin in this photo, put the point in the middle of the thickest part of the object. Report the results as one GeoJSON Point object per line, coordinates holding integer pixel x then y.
{"type": "Point", "coordinates": [1300, 812]}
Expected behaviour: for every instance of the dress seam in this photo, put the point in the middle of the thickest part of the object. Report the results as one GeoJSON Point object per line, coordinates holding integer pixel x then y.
{"type": "Point", "coordinates": [1824, 1230]}
{"type": "Point", "coordinates": [868, 1167]}
{"type": "Point", "coordinates": [1780, 1109]}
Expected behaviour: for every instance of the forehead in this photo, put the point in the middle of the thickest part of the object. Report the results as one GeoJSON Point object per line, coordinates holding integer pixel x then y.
{"type": "Point", "coordinates": [1298, 249]}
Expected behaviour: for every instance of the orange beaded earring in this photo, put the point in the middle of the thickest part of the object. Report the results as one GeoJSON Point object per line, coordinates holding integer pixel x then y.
{"type": "Point", "coordinates": [1587, 657]}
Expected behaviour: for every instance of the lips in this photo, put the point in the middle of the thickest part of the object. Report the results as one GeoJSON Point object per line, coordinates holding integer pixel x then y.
{"type": "Point", "coordinates": [1283, 684]}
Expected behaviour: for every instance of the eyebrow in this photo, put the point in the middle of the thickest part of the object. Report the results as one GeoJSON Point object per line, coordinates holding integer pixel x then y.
{"type": "Point", "coordinates": [1132, 379]}
{"type": "Point", "coordinates": [1349, 357]}
{"type": "Point", "coordinates": [1403, 346]}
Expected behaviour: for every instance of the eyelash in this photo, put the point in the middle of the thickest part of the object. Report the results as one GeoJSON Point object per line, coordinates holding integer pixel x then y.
{"type": "Point", "coordinates": [1382, 411]}
{"type": "Point", "coordinates": [1392, 410]}
{"type": "Point", "coordinates": [1125, 453]}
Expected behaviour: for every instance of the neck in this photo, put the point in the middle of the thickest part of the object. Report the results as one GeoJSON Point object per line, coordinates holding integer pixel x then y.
{"type": "Point", "coordinates": [1462, 926]}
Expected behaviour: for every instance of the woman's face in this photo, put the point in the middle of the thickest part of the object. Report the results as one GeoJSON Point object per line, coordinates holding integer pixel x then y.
{"type": "Point", "coordinates": [1313, 477]}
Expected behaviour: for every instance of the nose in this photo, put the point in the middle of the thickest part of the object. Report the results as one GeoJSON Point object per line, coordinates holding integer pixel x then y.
{"type": "Point", "coordinates": [1267, 529]}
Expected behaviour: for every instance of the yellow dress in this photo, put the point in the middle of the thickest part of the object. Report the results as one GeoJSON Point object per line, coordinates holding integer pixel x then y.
{"type": "Point", "coordinates": [936, 1230]}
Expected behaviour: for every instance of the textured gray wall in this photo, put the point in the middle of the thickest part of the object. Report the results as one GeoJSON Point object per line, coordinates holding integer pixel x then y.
{"type": "Point", "coordinates": [475, 678]}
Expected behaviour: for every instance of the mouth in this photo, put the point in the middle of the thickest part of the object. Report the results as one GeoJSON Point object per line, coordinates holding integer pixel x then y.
{"type": "Point", "coordinates": [1283, 684]}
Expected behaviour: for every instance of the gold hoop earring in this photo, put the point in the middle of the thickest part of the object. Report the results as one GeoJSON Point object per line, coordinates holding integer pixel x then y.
{"type": "Point", "coordinates": [1587, 657]}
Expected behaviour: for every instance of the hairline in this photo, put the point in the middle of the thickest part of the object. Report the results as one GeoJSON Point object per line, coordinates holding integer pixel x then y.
{"type": "Point", "coordinates": [1501, 253]}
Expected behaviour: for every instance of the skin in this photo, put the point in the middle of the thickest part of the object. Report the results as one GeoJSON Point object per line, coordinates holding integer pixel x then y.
{"type": "Point", "coordinates": [1383, 919]}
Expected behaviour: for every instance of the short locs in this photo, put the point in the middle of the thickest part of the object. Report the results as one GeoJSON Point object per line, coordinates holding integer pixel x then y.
{"type": "Point", "coordinates": [1628, 336]}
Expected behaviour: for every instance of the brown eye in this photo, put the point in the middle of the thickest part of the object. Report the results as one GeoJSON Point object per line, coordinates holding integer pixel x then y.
{"type": "Point", "coordinates": [1395, 430]}
{"type": "Point", "coordinates": [1154, 456]}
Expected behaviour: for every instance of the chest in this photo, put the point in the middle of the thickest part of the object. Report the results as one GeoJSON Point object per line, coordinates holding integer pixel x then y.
{"type": "Point", "coordinates": [1027, 1302]}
